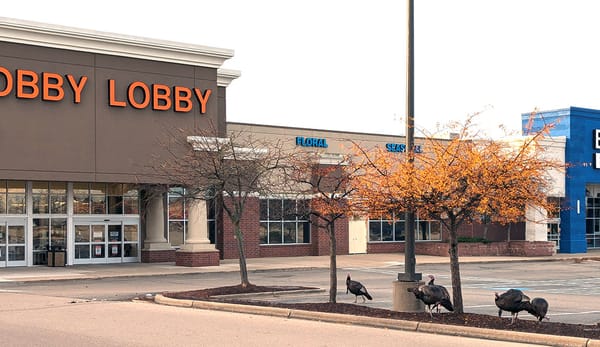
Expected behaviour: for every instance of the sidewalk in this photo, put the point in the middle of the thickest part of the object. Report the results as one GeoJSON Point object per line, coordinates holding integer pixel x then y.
{"type": "Point", "coordinates": [44, 273]}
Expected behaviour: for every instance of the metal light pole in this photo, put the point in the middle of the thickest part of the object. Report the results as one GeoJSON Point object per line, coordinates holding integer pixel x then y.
{"type": "Point", "coordinates": [402, 299]}
{"type": "Point", "coordinates": [409, 250]}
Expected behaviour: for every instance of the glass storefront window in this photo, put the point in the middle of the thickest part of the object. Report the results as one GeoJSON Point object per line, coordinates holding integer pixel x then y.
{"type": "Point", "coordinates": [16, 234]}
{"type": "Point", "coordinates": [115, 198]}
{"type": "Point", "coordinates": [82, 251]}
{"type": "Point", "coordinates": [98, 198]}
{"type": "Point", "coordinates": [81, 198]}
{"type": "Point", "coordinates": [15, 197]}
{"type": "Point", "coordinates": [47, 221]}
{"type": "Point", "coordinates": [41, 234]}
{"type": "Point", "coordinates": [178, 214]}
{"type": "Point", "coordinates": [130, 199]}
{"type": "Point", "coordinates": [58, 233]}
{"type": "Point", "coordinates": [392, 229]}
{"type": "Point", "coordinates": [130, 249]}
{"type": "Point", "coordinates": [274, 232]}
{"type": "Point", "coordinates": [212, 220]}
{"type": "Point", "coordinates": [98, 233]}
{"type": "Point", "coordinates": [130, 233]}
{"type": "Point", "coordinates": [176, 206]}
{"type": "Point", "coordinates": [49, 197]}
{"type": "Point", "coordinates": [40, 196]}
{"type": "Point", "coordinates": [16, 253]}
{"type": "Point", "coordinates": [284, 221]}
{"type": "Point", "coordinates": [101, 198]}
{"type": "Point", "coordinates": [82, 233]}
{"type": "Point", "coordinates": [2, 197]}
{"type": "Point", "coordinates": [262, 233]}
{"type": "Point", "coordinates": [49, 233]}
{"type": "Point", "coordinates": [58, 197]}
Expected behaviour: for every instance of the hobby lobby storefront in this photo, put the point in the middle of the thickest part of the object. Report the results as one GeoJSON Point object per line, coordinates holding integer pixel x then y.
{"type": "Point", "coordinates": [82, 115]}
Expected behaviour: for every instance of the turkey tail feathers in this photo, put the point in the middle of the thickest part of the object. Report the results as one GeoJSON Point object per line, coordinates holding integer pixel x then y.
{"type": "Point", "coordinates": [447, 305]}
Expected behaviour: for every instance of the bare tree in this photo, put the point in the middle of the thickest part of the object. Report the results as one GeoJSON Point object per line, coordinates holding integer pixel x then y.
{"type": "Point", "coordinates": [235, 168]}
{"type": "Point", "coordinates": [326, 180]}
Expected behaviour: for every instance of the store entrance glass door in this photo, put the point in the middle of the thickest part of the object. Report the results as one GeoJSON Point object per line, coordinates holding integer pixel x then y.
{"type": "Point", "coordinates": [105, 242]}
{"type": "Point", "coordinates": [12, 243]}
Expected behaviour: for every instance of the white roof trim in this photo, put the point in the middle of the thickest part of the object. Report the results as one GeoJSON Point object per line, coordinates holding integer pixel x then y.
{"type": "Point", "coordinates": [225, 76]}
{"type": "Point", "coordinates": [56, 36]}
{"type": "Point", "coordinates": [207, 143]}
{"type": "Point", "coordinates": [213, 144]}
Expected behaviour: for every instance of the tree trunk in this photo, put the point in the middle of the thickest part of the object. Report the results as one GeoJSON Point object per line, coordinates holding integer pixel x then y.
{"type": "Point", "coordinates": [455, 269]}
{"type": "Point", "coordinates": [332, 264]}
{"type": "Point", "coordinates": [242, 255]}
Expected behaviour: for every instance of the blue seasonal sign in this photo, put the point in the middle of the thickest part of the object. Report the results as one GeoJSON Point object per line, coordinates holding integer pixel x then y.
{"type": "Point", "coordinates": [401, 148]}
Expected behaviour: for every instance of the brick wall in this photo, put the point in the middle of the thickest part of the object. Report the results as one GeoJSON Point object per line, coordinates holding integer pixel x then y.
{"type": "Point", "coordinates": [385, 247]}
{"type": "Point", "coordinates": [321, 238]}
{"type": "Point", "coordinates": [162, 256]}
{"type": "Point", "coordinates": [196, 259]}
{"type": "Point", "coordinates": [250, 226]}
{"type": "Point", "coordinates": [285, 250]}
{"type": "Point", "coordinates": [532, 248]}
{"type": "Point", "coordinates": [511, 248]}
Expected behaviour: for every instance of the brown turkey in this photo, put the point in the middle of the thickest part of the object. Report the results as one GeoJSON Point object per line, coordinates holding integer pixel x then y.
{"type": "Point", "coordinates": [513, 301]}
{"type": "Point", "coordinates": [357, 289]}
{"type": "Point", "coordinates": [433, 295]}
{"type": "Point", "coordinates": [538, 308]}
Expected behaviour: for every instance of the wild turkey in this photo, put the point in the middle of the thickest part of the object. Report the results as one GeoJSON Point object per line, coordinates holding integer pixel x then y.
{"type": "Point", "coordinates": [433, 295]}
{"type": "Point", "coordinates": [357, 289]}
{"type": "Point", "coordinates": [538, 308]}
{"type": "Point", "coordinates": [513, 301]}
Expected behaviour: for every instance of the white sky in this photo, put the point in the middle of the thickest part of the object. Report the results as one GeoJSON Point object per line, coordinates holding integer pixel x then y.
{"type": "Point", "coordinates": [340, 64]}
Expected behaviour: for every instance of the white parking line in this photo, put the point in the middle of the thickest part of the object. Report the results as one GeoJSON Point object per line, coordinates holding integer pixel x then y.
{"type": "Point", "coordinates": [573, 313]}
{"type": "Point", "coordinates": [367, 269]}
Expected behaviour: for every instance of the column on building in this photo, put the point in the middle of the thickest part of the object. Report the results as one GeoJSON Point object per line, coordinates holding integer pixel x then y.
{"type": "Point", "coordinates": [197, 250]}
{"type": "Point", "coordinates": [536, 234]}
{"type": "Point", "coordinates": [536, 227]}
{"type": "Point", "coordinates": [156, 247]}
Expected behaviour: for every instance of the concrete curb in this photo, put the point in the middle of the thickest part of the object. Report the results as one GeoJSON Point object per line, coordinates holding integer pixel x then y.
{"type": "Point", "coordinates": [503, 335]}
{"type": "Point", "coordinates": [424, 327]}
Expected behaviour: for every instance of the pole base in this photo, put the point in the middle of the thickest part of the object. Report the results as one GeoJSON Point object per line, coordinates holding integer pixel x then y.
{"type": "Point", "coordinates": [403, 300]}
{"type": "Point", "coordinates": [408, 277]}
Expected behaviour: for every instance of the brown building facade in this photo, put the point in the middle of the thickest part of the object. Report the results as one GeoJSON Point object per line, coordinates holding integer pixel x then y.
{"type": "Point", "coordinates": [83, 116]}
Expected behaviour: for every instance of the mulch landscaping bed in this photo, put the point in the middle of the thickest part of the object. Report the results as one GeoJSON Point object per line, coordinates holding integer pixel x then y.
{"type": "Point", "coordinates": [464, 319]}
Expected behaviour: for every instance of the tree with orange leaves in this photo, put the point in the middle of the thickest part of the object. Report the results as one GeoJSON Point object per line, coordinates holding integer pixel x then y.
{"type": "Point", "coordinates": [327, 181]}
{"type": "Point", "coordinates": [459, 181]}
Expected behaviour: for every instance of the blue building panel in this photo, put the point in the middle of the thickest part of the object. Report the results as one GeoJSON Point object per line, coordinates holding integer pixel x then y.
{"type": "Point", "coordinates": [581, 127]}
{"type": "Point", "coordinates": [559, 119]}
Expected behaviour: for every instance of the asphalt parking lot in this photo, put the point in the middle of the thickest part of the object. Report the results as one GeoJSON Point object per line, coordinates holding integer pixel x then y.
{"type": "Point", "coordinates": [569, 282]}
{"type": "Point", "coordinates": [571, 288]}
